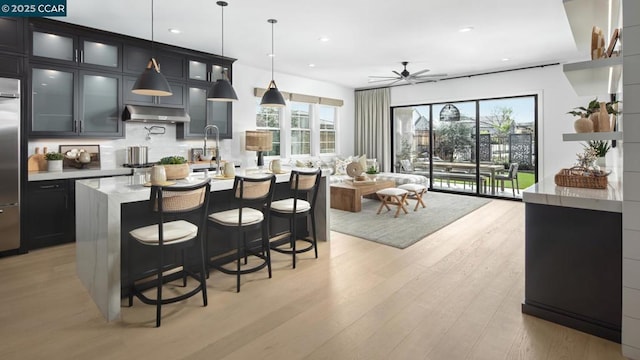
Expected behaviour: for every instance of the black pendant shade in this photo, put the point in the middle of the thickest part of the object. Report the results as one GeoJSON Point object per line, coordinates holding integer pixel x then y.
{"type": "Point", "coordinates": [151, 82]}
{"type": "Point", "coordinates": [272, 97]}
{"type": "Point", "coordinates": [222, 91]}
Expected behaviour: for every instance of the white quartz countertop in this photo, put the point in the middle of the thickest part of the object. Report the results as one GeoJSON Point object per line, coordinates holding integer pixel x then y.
{"type": "Point", "coordinates": [546, 192]}
{"type": "Point", "coordinates": [78, 173]}
{"type": "Point", "coordinates": [126, 189]}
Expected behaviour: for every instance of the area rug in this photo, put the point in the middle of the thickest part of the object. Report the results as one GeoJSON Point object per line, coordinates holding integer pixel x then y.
{"type": "Point", "coordinates": [407, 229]}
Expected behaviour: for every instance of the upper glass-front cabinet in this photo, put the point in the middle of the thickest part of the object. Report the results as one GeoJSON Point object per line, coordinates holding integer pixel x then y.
{"type": "Point", "coordinates": [67, 48]}
{"type": "Point", "coordinates": [206, 71]}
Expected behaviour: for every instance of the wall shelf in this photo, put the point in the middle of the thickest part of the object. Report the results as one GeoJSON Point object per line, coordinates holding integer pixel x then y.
{"type": "Point", "coordinates": [594, 77]}
{"type": "Point", "coordinates": [614, 135]}
{"type": "Point", "coordinates": [584, 14]}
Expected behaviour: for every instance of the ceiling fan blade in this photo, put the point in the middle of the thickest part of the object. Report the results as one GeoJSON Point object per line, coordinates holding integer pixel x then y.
{"type": "Point", "coordinates": [420, 72]}
{"type": "Point", "coordinates": [383, 80]}
{"type": "Point", "coordinates": [410, 80]}
{"type": "Point", "coordinates": [384, 77]}
{"type": "Point", "coordinates": [397, 73]}
{"type": "Point", "coordinates": [395, 82]}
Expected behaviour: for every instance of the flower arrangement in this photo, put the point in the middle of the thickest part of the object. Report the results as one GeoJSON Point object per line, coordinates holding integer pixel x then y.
{"type": "Point", "coordinates": [587, 158]}
{"type": "Point", "coordinates": [601, 147]}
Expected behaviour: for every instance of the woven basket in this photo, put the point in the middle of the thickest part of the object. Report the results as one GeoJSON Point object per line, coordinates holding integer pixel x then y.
{"type": "Point", "coordinates": [177, 171]}
{"type": "Point", "coordinates": [582, 178]}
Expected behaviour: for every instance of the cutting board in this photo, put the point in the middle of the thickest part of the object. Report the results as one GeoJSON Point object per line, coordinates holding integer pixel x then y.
{"type": "Point", "coordinates": [37, 162]}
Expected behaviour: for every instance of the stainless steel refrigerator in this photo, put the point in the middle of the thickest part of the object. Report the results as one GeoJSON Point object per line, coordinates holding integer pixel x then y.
{"type": "Point", "coordinates": [9, 164]}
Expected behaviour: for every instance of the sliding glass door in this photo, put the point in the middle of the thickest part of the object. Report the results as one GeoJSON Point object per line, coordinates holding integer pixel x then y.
{"type": "Point", "coordinates": [484, 147]}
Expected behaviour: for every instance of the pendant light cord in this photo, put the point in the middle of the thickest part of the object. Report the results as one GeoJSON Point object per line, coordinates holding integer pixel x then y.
{"type": "Point", "coordinates": [152, 42]}
{"type": "Point", "coordinates": [273, 54]}
{"type": "Point", "coordinates": [222, 24]}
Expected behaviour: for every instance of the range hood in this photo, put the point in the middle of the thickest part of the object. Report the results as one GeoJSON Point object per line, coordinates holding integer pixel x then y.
{"type": "Point", "coordinates": [155, 114]}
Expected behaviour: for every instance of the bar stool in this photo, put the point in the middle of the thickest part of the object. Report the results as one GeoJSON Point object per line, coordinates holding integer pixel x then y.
{"type": "Point", "coordinates": [177, 203]}
{"type": "Point", "coordinates": [392, 196]}
{"type": "Point", "coordinates": [304, 193]}
{"type": "Point", "coordinates": [253, 199]}
{"type": "Point", "coordinates": [417, 191]}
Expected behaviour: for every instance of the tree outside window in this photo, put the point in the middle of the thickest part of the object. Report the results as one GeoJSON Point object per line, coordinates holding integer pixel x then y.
{"type": "Point", "coordinates": [327, 129]}
{"type": "Point", "coordinates": [268, 118]}
{"type": "Point", "coordinates": [300, 129]}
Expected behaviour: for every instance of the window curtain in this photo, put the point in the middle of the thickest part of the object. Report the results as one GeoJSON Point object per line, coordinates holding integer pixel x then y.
{"type": "Point", "coordinates": [373, 125]}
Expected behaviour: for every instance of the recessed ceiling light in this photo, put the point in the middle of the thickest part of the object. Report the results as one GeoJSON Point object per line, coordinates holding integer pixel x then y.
{"type": "Point", "coordinates": [465, 29]}
{"type": "Point", "coordinates": [271, 55]}
{"type": "Point", "coordinates": [312, 65]}
{"type": "Point", "coordinates": [505, 59]}
{"type": "Point", "coordinates": [174, 31]}
{"type": "Point", "coordinates": [324, 39]}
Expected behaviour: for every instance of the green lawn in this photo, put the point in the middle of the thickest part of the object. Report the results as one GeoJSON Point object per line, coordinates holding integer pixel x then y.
{"type": "Point", "coordinates": [525, 179]}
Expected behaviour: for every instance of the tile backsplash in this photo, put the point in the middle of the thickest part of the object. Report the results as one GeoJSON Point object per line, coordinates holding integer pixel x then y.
{"type": "Point", "coordinates": [113, 152]}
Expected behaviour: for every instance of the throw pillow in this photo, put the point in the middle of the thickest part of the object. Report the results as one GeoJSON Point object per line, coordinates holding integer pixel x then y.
{"type": "Point", "coordinates": [341, 166]}
{"type": "Point", "coordinates": [362, 160]}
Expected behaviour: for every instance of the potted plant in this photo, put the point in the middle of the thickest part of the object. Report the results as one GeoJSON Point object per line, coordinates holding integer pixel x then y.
{"type": "Point", "coordinates": [54, 161]}
{"type": "Point", "coordinates": [176, 167]}
{"type": "Point", "coordinates": [589, 117]}
{"type": "Point", "coordinates": [372, 171]}
{"type": "Point", "coordinates": [600, 147]}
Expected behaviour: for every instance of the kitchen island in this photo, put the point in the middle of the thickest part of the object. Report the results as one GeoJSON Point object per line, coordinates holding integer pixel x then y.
{"type": "Point", "coordinates": [573, 260]}
{"type": "Point", "coordinates": [106, 208]}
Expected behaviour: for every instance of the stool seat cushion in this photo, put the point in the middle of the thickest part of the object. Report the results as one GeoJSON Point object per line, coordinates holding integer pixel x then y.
{"type": "Point", "coordinates": [250, 216]}
{"type": "Point", "coordinates": [173, 232]}
{"type": "Point", "coordinates": [286, 206]}
{"type": "Point", "coordinates": [391, 192]}
{"type": "Point", "coordinates": [412, 187]}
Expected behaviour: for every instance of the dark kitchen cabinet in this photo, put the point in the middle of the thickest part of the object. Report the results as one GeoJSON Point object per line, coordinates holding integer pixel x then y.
{"type": "Point", "coordinates": [203, 113]}
{"type": "Point", "coordinates": [69, 102]}
{"type": "Point", "coordinates": [12, 35]}
{"type": "Point", "coordinates": [172, 65]}
{"type": "Point", "coordinates": [62, 46]}
{"type": "Point", "coordinates": [201, 69]}
{"type": "Point", "coordinates": [11, 65]}
{"type": "Point", "coordinates": [50, 214]}
{"type": "Point", "coordinates": [177, 100]}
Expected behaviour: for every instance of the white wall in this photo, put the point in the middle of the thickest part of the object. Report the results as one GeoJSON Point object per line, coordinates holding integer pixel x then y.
{"type": "Point", "coordinates": [631, 181]}
{"type": "Point", "coordinates": [555, 98]}
{"type": "Point", "coordinates": [244, 118]}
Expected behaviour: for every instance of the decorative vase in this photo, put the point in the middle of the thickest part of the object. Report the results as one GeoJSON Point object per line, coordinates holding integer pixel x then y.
{"type": "Point", "coordinates": [158, 174]}
{"type": "Point", "coordinates": [583, 125]}
{"type": "Point", "coordinates": [595, 120]}
{"type": "Point", "coordinates": [603, 118]}
{"type": "Point", "coordinates": [54, 165]}
{"type": "Point", "coordinates": [176, 171]}
{"type": "Point", "coordinates": [601, 161]}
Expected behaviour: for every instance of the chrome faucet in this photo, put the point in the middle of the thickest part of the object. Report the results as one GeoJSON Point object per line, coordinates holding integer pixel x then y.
{"type": "Point", "coordinates": [206, 131]}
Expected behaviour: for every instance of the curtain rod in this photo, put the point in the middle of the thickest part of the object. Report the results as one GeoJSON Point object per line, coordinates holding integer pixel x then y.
{"type": "Point", "coordinates": [468, 76]}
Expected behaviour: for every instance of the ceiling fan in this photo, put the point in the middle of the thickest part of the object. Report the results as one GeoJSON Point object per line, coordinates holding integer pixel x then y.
{"type": "Point", "coordinates": [411, 78]}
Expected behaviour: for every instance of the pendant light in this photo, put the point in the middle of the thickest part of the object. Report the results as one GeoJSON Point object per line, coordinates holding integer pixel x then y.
{"type": "Point", "coordinates": [272, 97]}
{"type": "Point", "coordinates": [151, 82]}
{"type": "Point", "coordinates": [222, 89]}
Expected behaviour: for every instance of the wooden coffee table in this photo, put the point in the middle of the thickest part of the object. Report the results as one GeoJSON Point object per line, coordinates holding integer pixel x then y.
{"type": "Point", "coordinates": [348, 197]}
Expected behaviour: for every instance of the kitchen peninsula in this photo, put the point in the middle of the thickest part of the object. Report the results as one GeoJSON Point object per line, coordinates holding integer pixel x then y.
{"type": "Point", "coordinates": [101, 227]}
{"type": "Point", "coordinates": [573, 260]}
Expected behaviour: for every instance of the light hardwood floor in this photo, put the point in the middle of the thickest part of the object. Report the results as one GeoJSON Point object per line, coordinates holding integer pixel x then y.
{"type": "Point", "coordinates": [454, 295]}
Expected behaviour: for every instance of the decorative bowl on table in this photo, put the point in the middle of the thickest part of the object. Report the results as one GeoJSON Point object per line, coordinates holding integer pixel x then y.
{"type": "Point", "coordinates": [78, 158]}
